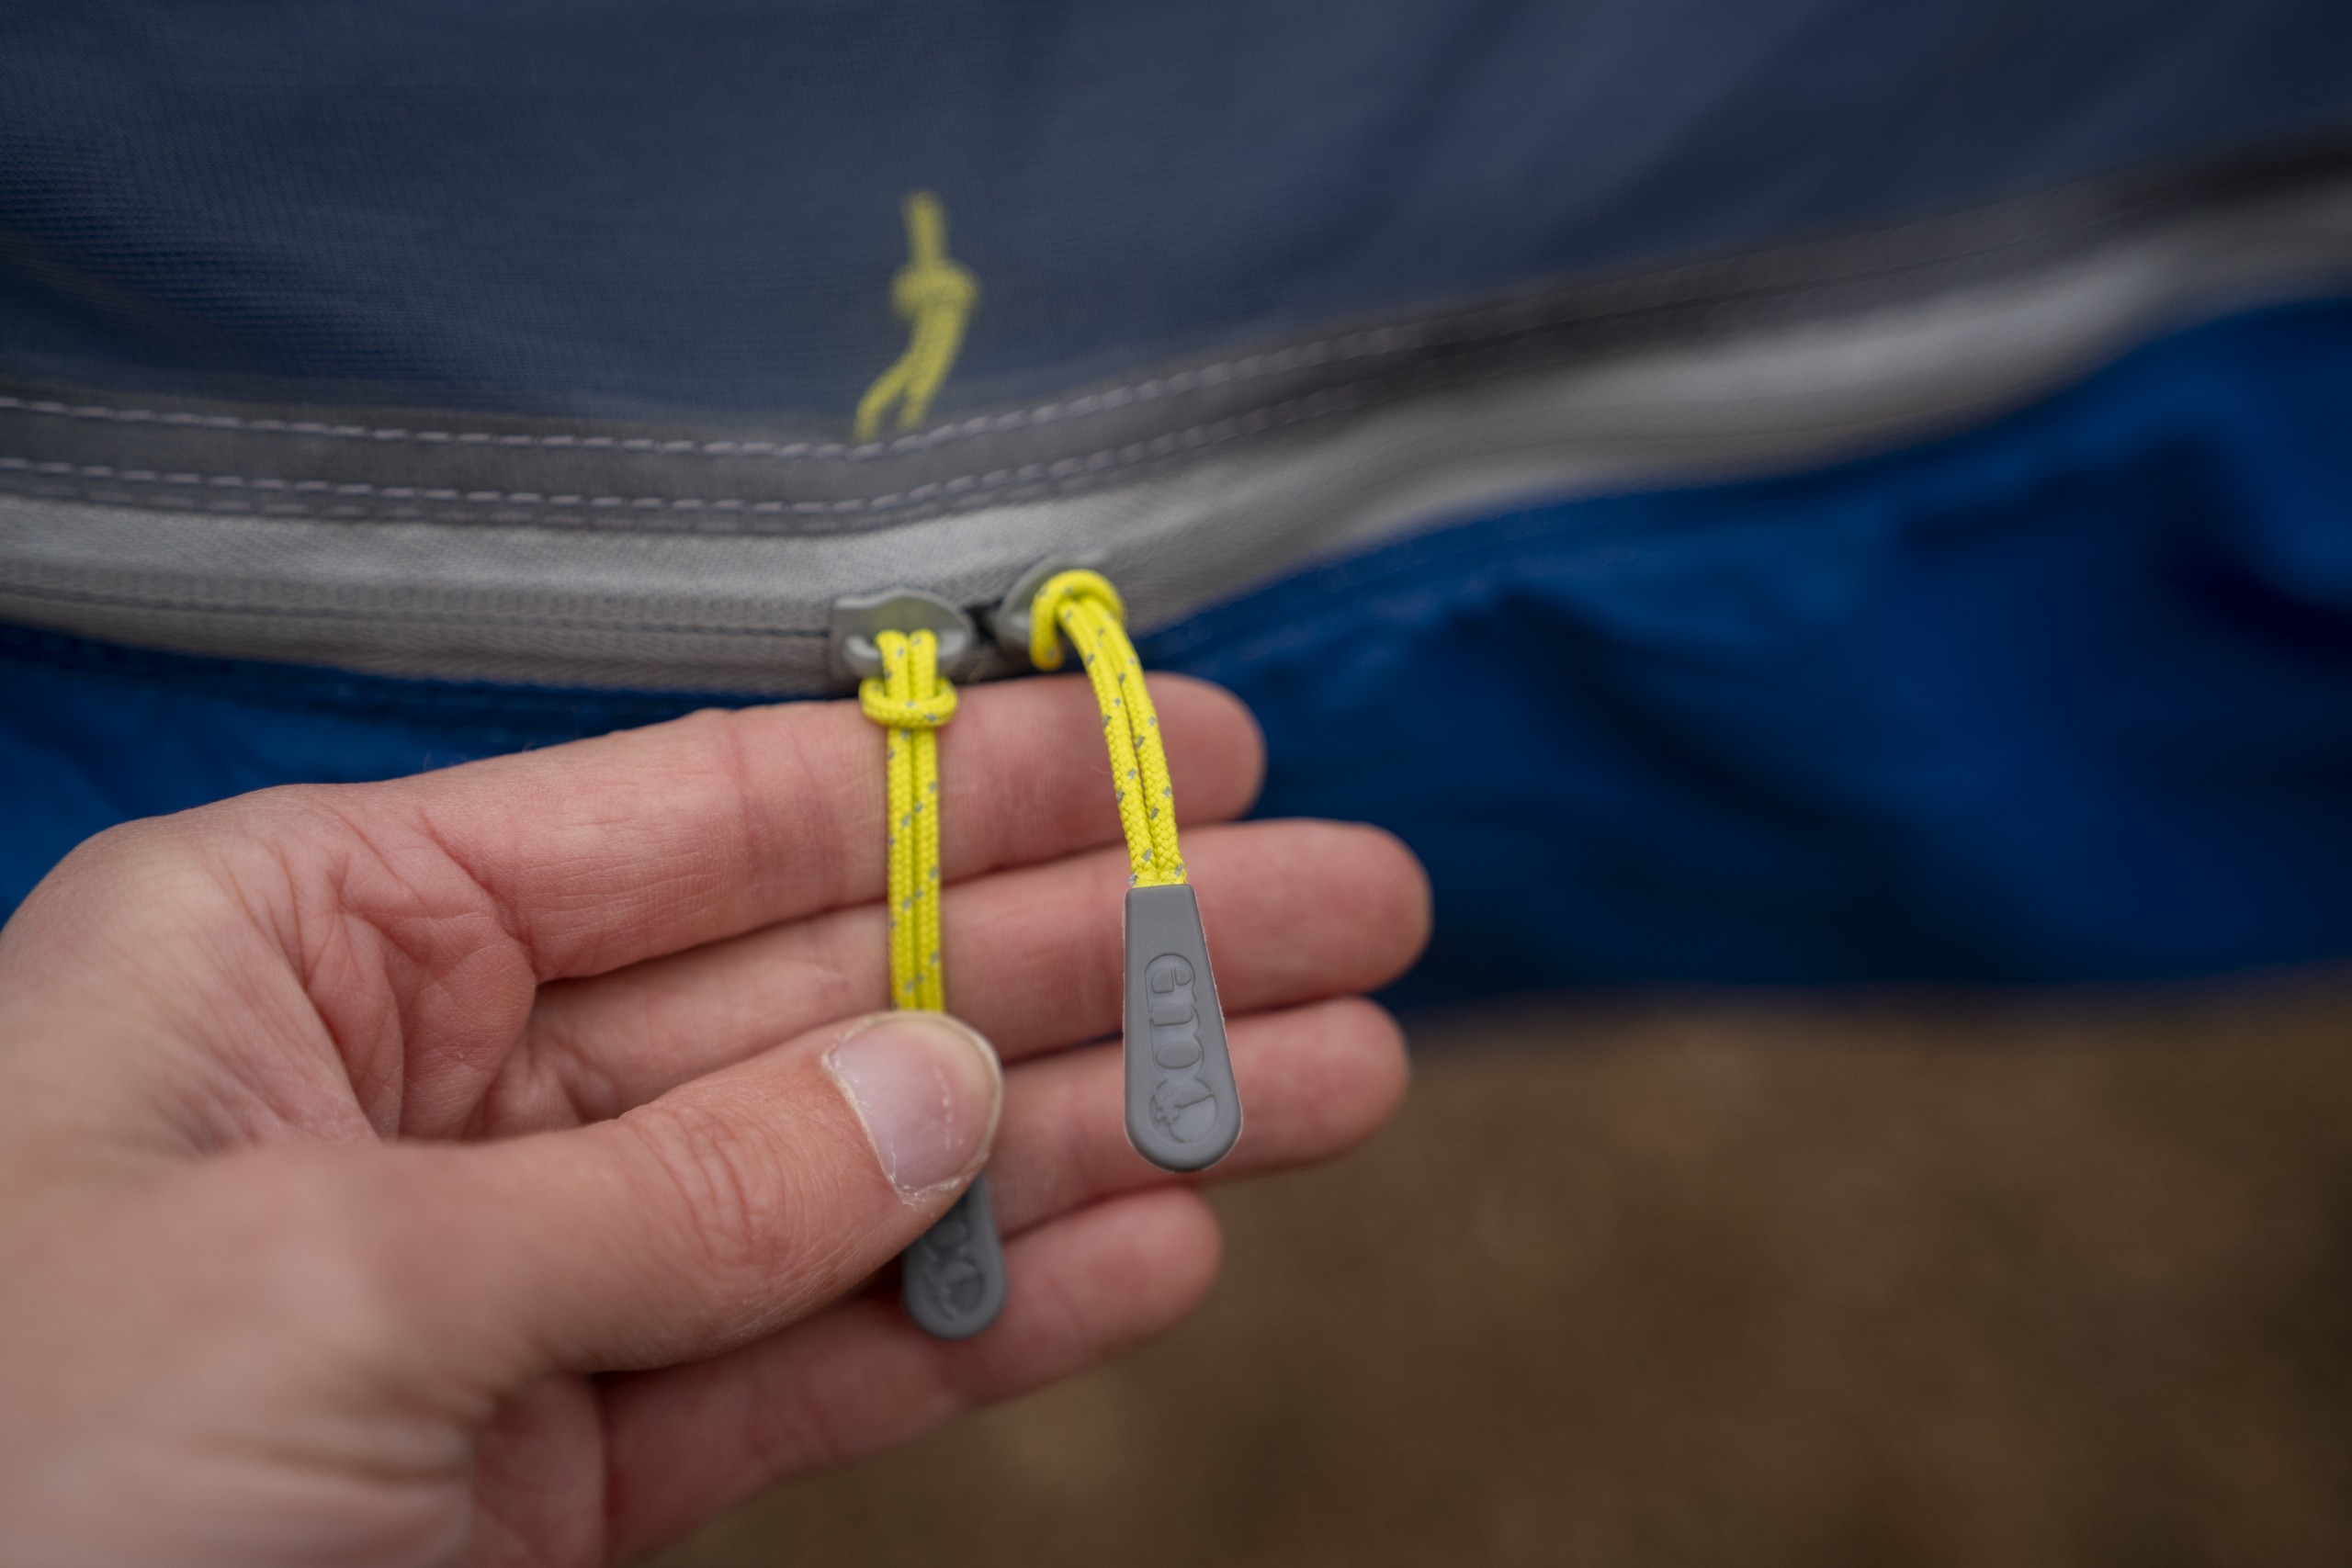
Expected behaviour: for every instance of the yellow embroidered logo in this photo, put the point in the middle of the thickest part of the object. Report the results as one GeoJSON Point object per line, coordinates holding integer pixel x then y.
{"type": "Point", "coordinates": [933, 296]}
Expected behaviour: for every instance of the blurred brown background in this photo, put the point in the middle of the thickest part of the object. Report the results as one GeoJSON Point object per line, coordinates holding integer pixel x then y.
{"type": "Point", "coordinates": [1894, 1279]}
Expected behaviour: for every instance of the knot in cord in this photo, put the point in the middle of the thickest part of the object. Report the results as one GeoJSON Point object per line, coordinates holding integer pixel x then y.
{"type": "Point", "coordinates": [915, 712]}
{"type": "Point", "coordinates": [909, 693]}
{"type": "Point", "coordinates": [933, 295]}
{"type": "Point", "coordinates": [928, 713]}
{"type": "Point", "coordinates": [933, 285]}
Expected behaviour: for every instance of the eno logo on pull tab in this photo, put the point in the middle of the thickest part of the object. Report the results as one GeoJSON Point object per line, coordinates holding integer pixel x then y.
{"type": "Point", "coordinates": [1182, 1106]}
{"type": "Point", "coordinates": [1183, 1111]}
{"type": "Point", "coordinates": [954, 1283]}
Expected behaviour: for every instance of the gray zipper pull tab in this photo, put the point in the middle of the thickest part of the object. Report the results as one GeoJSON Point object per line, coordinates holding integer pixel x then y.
{"type": "Point", "coordinates": [952, 1279]}
{"type": "Point", "coordinates": [1184, 1112]}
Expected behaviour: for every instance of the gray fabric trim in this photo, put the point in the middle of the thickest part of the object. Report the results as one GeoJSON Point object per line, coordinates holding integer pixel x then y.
{"type": "Point", "coordinates": [295, 463]}
{"type": "Point", "coordinates": [655, 604]}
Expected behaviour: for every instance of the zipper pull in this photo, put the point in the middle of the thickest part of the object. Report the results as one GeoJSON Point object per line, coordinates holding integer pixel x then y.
{"type": "Point", "coordinates": [899, 645]}
{"type": "Point", "coordinates": [951, 1280]}
{"type": "Point", "coordinates": [1183, 1111]}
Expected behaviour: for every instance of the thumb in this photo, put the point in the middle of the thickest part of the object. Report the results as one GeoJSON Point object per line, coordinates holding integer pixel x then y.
{"type": "Point", "coordinates": [701, 1220]}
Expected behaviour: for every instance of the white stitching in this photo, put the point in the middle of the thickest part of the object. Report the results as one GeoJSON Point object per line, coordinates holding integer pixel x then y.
{"type": "Point", "coordinates": [1248, 368]}
{"type": "Point", "coordinates": [1065, 473]}
{"type": "Point", "coordinates": [1062, 476]}
{"type": "Point", "coordinates": [1652, 290]}
{"type": "Point", "coordinates": [11, 587]}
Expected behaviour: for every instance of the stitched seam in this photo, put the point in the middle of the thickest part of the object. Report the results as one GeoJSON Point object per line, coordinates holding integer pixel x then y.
{"type": "Point", "coordinates": [322, 613]}
{"type": "Point", "coordinates": [1752, 273]}
{"type": "Point", "coordinates": [1067, 472]}
{"type": "Point", "coordinates": [1001, 486]}
{"type": "Point", "coordinates": [1358, 345]}
{"type": "Point", "coordinates": [1062, 475]}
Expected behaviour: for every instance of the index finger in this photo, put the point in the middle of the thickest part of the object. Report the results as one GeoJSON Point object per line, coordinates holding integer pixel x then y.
{"type": "Point", "coordinates": [602, 852]}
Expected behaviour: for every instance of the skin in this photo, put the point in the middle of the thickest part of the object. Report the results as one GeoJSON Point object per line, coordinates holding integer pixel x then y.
{"type": "Point", "coordinates": [449, 1171]}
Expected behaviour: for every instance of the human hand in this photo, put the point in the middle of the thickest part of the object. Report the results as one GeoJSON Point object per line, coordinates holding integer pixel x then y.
{"type": "Point", "coordinates": [483, 1167]}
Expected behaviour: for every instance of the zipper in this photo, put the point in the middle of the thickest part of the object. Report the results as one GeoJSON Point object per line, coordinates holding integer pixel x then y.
{"type": "Point", "coordinates": [1183, 1110]}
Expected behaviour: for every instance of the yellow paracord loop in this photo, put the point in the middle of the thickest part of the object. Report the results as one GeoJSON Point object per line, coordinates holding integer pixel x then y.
{"type": "Point", "coordinates": [934, 295]}
{"type": "Point", "coordinates": [1084, 607]}
{"type": "Point", "coordinates": [911, 700]}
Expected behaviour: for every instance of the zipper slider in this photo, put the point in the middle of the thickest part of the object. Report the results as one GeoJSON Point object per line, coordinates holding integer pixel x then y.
{"type": "Point", "coordinates": [859, 619]}
{"type": "Point", "coordinates": [1013, 618]}
{"type": "Point", "coordinates": [1183, 1111]}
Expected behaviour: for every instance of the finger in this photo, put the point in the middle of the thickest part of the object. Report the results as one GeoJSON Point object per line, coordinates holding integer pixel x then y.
{"type": "Point", "coordinates": [704, 1219]}
{"type": "Point", "coordinates": [1295, 911]}
{"type": "Point", "coordinates": [683, 1444]}
{"type": "Point", "coordinates": [1314, 1081]}
{"type": "Point", "coordinates": [609, 851]}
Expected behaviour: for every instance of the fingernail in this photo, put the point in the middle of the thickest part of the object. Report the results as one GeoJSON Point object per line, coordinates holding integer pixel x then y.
{"type": "Point", "coordinates": [926, 1087]}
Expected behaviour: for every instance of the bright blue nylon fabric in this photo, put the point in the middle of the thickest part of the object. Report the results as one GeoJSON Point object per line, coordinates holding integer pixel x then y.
{"type": "Point", "coordinates": [2065, 698]}
{"type": "Point", "coordinates": [625, 207]}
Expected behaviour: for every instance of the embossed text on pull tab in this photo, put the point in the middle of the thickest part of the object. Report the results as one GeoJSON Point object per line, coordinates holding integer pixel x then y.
{"type": "Point", "coordinates": [1184, 1112]}
{"type": "Point", "coordinates": [953, 1274]}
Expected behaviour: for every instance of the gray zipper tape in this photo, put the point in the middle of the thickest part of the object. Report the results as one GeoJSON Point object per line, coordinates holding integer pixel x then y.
{"type": "Point", "coordinates": [1764, 363]}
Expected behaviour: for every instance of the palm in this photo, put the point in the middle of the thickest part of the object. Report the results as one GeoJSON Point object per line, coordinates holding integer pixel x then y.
{"type": "Point", "coordinates": [557, 940]}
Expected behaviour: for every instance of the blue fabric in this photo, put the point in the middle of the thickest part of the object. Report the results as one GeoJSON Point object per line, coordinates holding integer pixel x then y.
{"type": "Point", "coordinates": [92, 734]}
{"type": "Point", "coordinates": [2065, 698]}
{"type": "Point", "coordinates": [625, 207]}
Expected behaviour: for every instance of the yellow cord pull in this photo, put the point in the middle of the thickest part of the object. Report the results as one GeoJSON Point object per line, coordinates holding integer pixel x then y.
{"type": "Point", "coordinates": [1084, 607]}
{"type": "Point", "coordinates": [952, 1277]}
{"type": "Point", "coordinates": [910, 702]}
{"type": "Point", "coordinates": [934, 295]}
{"type": "Point", "coordinates": [1184, 1109]}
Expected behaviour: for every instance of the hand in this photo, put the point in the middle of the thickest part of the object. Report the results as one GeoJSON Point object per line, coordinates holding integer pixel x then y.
{"type": "Point", "coordinates": [485, 1166]}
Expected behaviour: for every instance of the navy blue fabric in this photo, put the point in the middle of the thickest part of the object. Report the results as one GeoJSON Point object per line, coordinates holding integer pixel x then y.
{"type": "Point", "coordinates": [92, 734]}
{"type": "Point", "coordinates": [2066, 698]}
{"type": "Point", "coordinates": [2070, 698]}
{"type": "Point", "coordinates": [633, 206]}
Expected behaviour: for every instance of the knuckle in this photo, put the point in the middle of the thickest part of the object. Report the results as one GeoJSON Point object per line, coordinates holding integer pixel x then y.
{"type": "Point", "coordinates": [723, 1176]}
{"type": "Point", "coordinates": [126, 867]}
